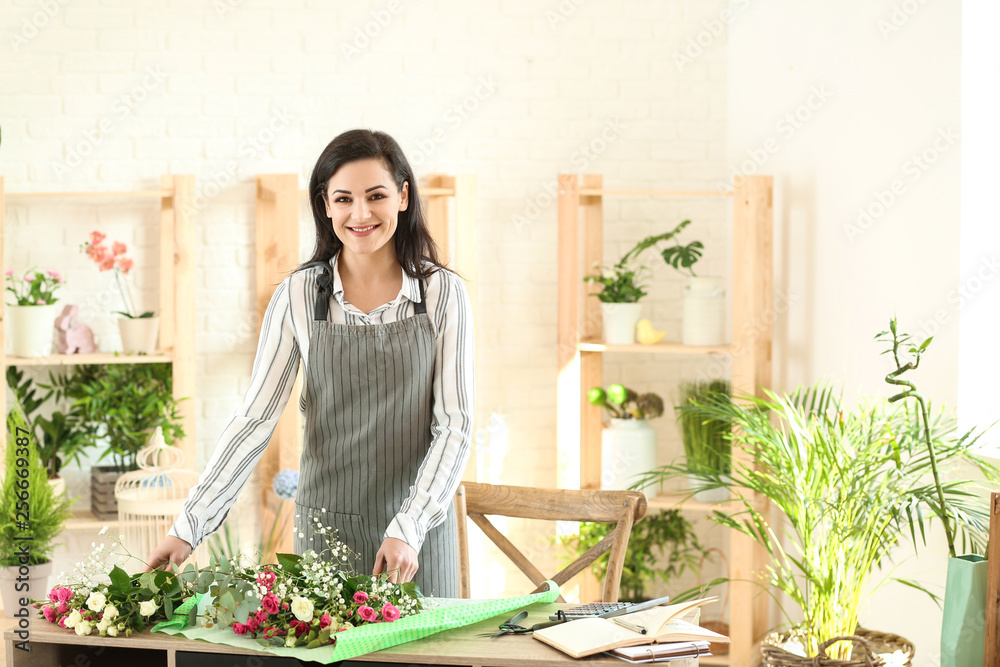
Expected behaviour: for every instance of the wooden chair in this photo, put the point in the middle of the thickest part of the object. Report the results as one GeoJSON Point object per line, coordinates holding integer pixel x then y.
{"type": "Point", "coordinates": [622, 508]}
{"type": "Point", "coordinates": [993, 586]}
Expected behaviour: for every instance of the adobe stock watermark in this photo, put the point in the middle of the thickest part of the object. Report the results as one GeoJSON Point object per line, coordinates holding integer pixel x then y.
{"type": "Point", "coordinates": [562, 13]}
{"type": "Point", "coordinates": [224, 7]}
{"type": "Point", "coordinates": [453, 117]}
{"type": "Point", "coordinates": [911, 171]}
{"type": "Point", "coordinates": [963, 294]}
{"type": "Point", "coordinates": [712, 30]}
{"type": "Point", "coordinates": [364, 35]}
{"type": "Point", "coordinates": [785, 128]}
{"type": "Point", "coordinates": [32, 25]}
{"type": "Point", "coordinates": [900, 15]}
{"type": "Point", "coordinates": [581, 159]}
{"type": "Point", "coordinates": [123, 106]}
{"type": "Point", "coordinates": [245, 330]}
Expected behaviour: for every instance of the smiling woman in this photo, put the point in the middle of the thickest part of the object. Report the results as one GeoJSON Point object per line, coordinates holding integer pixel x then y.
{"type": "Point", "coordinates": [384, 333]}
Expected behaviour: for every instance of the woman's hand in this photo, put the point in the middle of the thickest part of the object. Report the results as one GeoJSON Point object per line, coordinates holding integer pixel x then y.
{"type": "Point", "coordinates": [396, 557]}
{"type": "Point", "coordinates": [170, 550]}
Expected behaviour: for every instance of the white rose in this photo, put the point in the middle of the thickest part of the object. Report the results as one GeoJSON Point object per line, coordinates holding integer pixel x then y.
{"type": "Point", "coordinates": [96, 601]}
{"type": "Point", "coordinates": [102, 625]}
{"type": "Point", "coordinates": [73, 619]}
{"type": "Point", "coordinates": [290, 640]}
{"type": "Point", "coordinates": [302, 608]}
{"type": "Point", "coordinates": [147, 608]}
{"type": "Point", "coordinates": [110, 612]}
{"type": "Point", "coordinates": [112, 631]}
{"type": "Point", "coordinates": [83, 628]}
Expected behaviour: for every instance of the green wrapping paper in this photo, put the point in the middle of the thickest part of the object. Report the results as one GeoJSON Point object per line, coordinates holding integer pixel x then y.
{"type": "Point", "coordinates": [451, 613]}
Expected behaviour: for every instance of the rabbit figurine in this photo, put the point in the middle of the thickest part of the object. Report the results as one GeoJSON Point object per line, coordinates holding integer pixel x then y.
{"type": "Point", "coordinates": [72, 337]}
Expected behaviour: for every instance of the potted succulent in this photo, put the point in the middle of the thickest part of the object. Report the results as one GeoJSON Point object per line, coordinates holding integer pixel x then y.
{"type": "Point", "coordinates": [60, 439]}
{"type": "Point", "coordinates": [628, 444]}
{"type": "Point", "coordinates": [120, 405]}
{"type": "Point", "coordinates": [849, 484]}
{"type": "Point", "coordinates": [622, 286]}
{"type": "Point", "coordinates": [138, 330]}
{"type": "Point", "coordinates": [32, 521]}
{"type": "Point", "coordinates": [707, 447]}
{"type": "Point", "coordinates": [31, 319]}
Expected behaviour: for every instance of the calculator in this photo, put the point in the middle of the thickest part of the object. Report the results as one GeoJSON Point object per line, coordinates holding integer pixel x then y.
{"type": "Point", "coordinates": [606, 609]}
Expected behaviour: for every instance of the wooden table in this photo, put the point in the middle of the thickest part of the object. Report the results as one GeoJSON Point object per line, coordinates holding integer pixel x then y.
{"type": "Point", "coordinates": [55, 647]}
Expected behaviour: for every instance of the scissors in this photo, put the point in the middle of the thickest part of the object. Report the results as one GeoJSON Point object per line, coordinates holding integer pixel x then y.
{"type": "Point", "coordinates": [512, 626]}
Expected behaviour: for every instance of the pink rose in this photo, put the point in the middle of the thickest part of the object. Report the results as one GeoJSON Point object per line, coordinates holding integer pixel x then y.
{"type": "Point", "coordinates": [49, 612]}
{"type": "Point", "coordinates": [62, 608]}
{"type": "Point", "coordinates": [54, 275]}
{"type": "Point", "coordinates": [261, 615]}
{"type": "Point", "coordinates": [62, 622]}
{"type": "Point", "coordinates": [125, 265]}
{"type": "Point", "coordinates": [367, 613]}
{"type": "Point", "coordinates": [284, 605]}
{"type": "Point", "coordinates": [300, 627]}
{"type": "Point", "coordinates": [64, 594]}
{"type": "Point", "coordinates": [360, 597]}
{"type": "Point", "coordinates": [239, 628]}
{"type": "Point", "coordinates": [54, 594]}
{"type": "Point", "coordinates": [270, 603]}
{"type": "Point", "coordinates": [325, 621]}
{"type": "Point", "coordinates": [252, 623]}
{"type": "Point", "coordinates": [390, 612]}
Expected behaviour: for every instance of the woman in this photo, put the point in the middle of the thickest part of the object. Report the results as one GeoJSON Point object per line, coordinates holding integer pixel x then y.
{"type": "Point", "coordinates": [385, 336]}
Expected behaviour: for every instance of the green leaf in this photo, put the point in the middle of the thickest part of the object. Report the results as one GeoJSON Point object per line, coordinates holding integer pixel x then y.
{"type": "Point", "coordinates": [289, 562]}
{"type": "Point", "coordinates": [168, 606]}
{"type": "Point", "coordinates": [120, 581]}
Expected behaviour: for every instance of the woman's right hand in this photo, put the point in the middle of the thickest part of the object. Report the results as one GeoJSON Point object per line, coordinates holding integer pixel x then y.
{"type": "Point", "coordinates": [170, 550]}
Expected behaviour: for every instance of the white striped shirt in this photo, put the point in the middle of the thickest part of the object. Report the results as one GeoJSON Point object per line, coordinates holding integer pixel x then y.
{"type": "Point", "coordinates": [284, 340]}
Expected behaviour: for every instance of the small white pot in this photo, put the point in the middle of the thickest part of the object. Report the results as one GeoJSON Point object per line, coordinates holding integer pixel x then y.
{"type": "Point", "coordinates": [33, 585]}
{"type": "Point", "coordinates": [30, 329]}
{"type": "Point", "coordinates": [139, 334]}
{"type": "Point", "coordinates": [619, 322]}
{"type": "Point", "coordinates": [628, 448]}
{"type": "Point", "coordinates": [704, 312]}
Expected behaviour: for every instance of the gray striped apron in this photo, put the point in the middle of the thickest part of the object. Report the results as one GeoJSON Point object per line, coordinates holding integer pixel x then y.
{"type": "Point", "coordinates": [368, 402]}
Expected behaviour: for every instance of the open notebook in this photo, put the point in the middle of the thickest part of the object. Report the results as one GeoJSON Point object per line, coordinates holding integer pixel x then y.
{"type": "Point", "coordinates": [663, 624]}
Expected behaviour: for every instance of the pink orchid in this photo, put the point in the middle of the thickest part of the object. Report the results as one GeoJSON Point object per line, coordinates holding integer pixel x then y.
{"type": "Point", "coordinates": [118, 248]}
{"type": "Point", "coordinates": [390, 612]}
{"type": "Point", "coordinates": [96, 237]}
{"type": "Point", "coordinates": [108, 264]}
{"type": "Point", "coordinates": [124, 264]}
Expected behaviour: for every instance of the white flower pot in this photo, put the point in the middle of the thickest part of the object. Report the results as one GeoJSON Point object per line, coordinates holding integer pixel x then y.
{"type": "Point", "coordinates": [704, 312]}
{"type": "Point", "coordinates": [30, 329]}
{"type": "Point", "coordinates": [619, 322]}
{"type": "Point", "coordinates": [628, 448]}
{"type": "Point", "coordinates": [139, 334]}
{"type": "Point", "coordinates": [36, 589]}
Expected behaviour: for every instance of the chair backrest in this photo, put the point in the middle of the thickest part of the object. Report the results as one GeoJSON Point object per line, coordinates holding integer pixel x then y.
{"type": "Point", "coordinates": [622, 508]}
{"type": "Point", "coordinates": [993, 586]}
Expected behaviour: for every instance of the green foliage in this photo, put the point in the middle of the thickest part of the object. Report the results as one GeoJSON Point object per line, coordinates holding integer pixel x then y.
{"type": "Point", "coordinates": [62, 438]}
{"type": "Point", "coordinates": [624, 403]}
{"type": "Point", "coordinates": [659, 537]}
{"type": "Point", "coordinates": [623, 283]}
{"type": "Point", "coordinates": [33, 515]}
{"type": "Point", "coordinates": [123, 404]}
{"type": "Point", "coordinates": [706, 439]}
{"type": "Point", "coordinates": [34, 288]}
{"type": "Point", "coordinates": [849, 484]}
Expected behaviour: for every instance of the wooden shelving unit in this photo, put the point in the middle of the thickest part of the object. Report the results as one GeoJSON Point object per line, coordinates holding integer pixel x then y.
{"type": "Point", "coordinates": [581, 353]}
{"type": "Point", "coordinates": [450, 209]}
{"type": "Point", "coordinates": [176, 291]}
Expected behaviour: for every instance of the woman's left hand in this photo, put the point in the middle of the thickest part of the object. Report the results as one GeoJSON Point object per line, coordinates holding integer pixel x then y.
{"type": "Point", "coordinates": [397, 558]}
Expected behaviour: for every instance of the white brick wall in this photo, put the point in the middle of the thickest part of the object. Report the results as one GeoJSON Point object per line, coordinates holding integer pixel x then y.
{"type": "Point", "coordinates": [559, 79]}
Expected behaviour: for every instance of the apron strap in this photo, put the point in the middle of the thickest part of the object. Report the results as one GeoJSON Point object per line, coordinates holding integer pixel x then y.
{"type": "Point", "coordinates": [325, 282]}
{"type": "Point", "coordinates": [420, 307]}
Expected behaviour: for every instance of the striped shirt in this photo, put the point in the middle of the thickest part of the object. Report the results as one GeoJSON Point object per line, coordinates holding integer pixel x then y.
{"type": "Point", "coordinates": [284, 340]}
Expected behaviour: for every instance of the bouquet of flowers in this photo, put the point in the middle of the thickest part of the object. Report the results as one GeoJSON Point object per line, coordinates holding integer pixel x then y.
{"type": "Point", "coordinates": [34, 288]}
{"type": "Point", "coordinates": [114, 259]}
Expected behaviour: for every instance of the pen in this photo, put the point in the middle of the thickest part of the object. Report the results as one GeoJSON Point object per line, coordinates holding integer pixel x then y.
{"type": "Point", "coordinates": [631, 626]}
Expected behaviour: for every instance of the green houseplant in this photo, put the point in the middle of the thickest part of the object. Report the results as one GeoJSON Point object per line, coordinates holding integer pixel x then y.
{"type": "Point", "coordinates": [662, 546]}
{"type": "Point", "coordinates": [707, 446]}
{"type": "Point", "coordinates": [849, 484]}
{"type": "Point", "coordinates": [628, 444]}
{"type": "Point", "coordinates": [33, 518]}
{"type": "Point", "coordinates": [33, 314]}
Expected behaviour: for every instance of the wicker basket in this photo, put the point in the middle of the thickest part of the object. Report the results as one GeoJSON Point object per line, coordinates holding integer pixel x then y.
{"type": "Point", "coordinates": [870, 643]}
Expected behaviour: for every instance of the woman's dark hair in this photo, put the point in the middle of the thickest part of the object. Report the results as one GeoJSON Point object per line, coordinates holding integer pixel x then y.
{"type": "Point", "coordinates": [414, 244]}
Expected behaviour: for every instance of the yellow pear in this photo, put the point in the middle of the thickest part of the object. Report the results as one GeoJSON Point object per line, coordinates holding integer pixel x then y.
{"type": "Point", "coordinates": [646, 334]}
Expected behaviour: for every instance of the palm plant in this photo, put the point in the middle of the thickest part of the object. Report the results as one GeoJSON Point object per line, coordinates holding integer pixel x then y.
{"type": "Point", "coordinates": [849, 485]}
{"type": "Point", "coordinates": [706, 441]}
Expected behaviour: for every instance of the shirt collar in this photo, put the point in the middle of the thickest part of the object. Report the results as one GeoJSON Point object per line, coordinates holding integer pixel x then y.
{"type": "Point", "coordinates": [410, 289]}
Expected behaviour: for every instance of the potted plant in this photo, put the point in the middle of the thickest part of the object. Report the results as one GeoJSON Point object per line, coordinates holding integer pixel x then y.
{"type": "Point", "coordinates": [707, 447]}
{"type": "Point", "coordinates": [138, 330]}
{"type": "Point", "coordinates": [121, 405]}
{"type": "Point", "coordinates": [60, 438]}
{"type": "Point", "coordinates": [622, 285]}
{"type": "Point", "coordinates": [33, 315]}
{"type": "Point", "coordinates": [32, 520]}
{"type": "Point", "coordinates": [849, 484]}
{"type": "Point", "coordinates": [628, 444]}
{"type": "Point", "coordinates": [662, 546]}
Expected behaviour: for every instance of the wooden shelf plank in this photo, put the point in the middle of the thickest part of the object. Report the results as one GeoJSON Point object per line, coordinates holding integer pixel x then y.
{"type": "Point", "coordinates": [600, 192]}
{"type": "Point", "coordinates": [672, 500]}
{"type": "Point", "coordinates": [659, 348]}
{"type": "Point", "coordinates": [120, 194]}
{"type": "Point", "coordinates": [161, 356]}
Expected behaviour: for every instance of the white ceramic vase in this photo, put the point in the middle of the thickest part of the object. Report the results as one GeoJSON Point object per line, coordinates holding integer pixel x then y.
{"type": "Point", "coordinates": [30, 329]}
{"type": "Point", "coordinates": [619, 322]}
{"type": "Point", "coordinates": [628, 448]}
{"type": "Point", "coordinates": [704, 312]}
{"type": "Point", "coordinates": [139, 334]}
{"type": "Point", "coordinates": [30, 584]}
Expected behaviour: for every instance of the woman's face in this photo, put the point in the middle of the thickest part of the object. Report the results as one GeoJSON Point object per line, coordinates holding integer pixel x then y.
{"type": "Point", "coordinates": [364, 204]}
